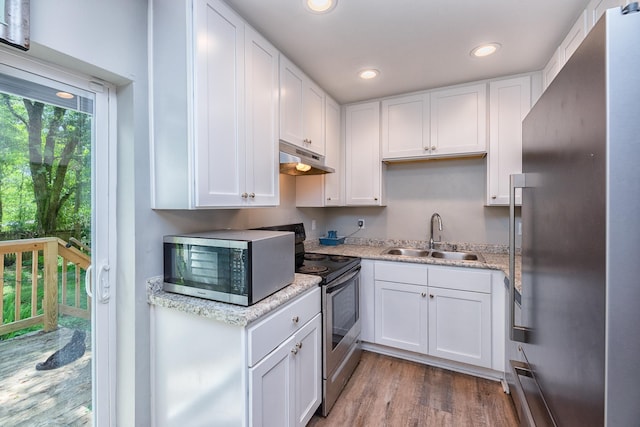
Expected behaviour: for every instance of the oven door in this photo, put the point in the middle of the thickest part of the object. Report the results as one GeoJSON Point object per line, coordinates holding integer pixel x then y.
{"type": "Point", "coordinates": [341, 309]}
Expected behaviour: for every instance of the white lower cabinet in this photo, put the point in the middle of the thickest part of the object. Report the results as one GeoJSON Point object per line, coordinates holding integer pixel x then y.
{"type": "Point", "coordinates": [443, 312]}
{"type": "Point", "coordinates": [401, 316]}
{"type": "Point", "coordinates": [211, 373]}
{"type": "Point", "coordinates": [460, 326]}
{"type": "Point", "coordinates": [286, 386]}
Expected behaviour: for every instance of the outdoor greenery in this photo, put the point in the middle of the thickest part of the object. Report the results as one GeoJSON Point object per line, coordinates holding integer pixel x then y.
{"type": "Point", "coordinates": [45, 188]}
{"type": "Point", "coordinates": [45, 168]}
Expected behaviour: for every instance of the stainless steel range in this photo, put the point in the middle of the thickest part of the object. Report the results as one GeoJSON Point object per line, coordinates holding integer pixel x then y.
{"type": "Point", "coordinates": [340, 313]}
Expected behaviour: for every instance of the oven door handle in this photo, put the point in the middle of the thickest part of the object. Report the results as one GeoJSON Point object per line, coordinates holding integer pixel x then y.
{"type": "Point", "coordinates": [343, 280]}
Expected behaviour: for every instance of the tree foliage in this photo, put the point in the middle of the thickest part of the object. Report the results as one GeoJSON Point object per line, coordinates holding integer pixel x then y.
{"type": "Point", "coordinates": [45, 168]}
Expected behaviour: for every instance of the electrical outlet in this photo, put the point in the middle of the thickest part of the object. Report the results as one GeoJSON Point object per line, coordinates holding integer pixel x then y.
{"type": "Point", "coordinates": [361, 223]}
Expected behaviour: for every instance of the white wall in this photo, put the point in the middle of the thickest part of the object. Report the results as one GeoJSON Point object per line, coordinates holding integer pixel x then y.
{"type": "Point", "coordinates": [454, 188]}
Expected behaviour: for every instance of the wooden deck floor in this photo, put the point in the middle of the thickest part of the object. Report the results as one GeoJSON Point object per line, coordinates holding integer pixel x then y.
{"type": "Point", "coordinates": [59, 397]}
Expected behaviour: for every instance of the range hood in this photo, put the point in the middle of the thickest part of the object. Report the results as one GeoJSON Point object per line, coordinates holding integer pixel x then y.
{"type": "Point", "coordinates": [298, 161]}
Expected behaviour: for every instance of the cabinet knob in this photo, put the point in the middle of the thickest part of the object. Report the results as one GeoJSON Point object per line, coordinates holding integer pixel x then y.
{"type": "Point", "coordinates": [375, 198]}
{"type": "Point", "coordinates": [299, 345]}
{"type": "Point", "coordinates": [430, 295]}
{"type": "Point", "coordinates": [328, 198]}
{"type": "Point", "coordinates": [294, 350]}
{"type": "Point", "coordinates": [295, 319]}
{"type": "Point", "coordinates": [494, 197]}
{"type": "Point", "coordinates": [426, 148]}
{"type": "Point", "coordinates": [307, 141]}
{"type": "Point", "coordinates": [252, 195]}
{"type": "Point", "coordinates": [433, 148]}
{"type": "Point", "coordinates": [244, 195]}
{"type": "Point", "coordinates": [424, 294]}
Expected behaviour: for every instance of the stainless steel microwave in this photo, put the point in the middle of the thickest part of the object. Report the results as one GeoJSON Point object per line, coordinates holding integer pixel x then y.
{"type": "Point", "coordinates": [235, 266]}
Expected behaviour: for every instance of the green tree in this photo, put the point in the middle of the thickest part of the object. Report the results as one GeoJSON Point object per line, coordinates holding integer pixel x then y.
{"type": "Point", "coordinates": [57, 142]}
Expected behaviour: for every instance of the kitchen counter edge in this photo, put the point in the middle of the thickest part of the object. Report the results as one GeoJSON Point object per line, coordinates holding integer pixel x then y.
{"type": "Point", "coordinates": [228, 313]}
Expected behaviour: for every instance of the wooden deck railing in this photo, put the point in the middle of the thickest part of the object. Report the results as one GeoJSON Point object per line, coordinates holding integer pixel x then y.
{"type": "Point", "coordinates": [42, 278]}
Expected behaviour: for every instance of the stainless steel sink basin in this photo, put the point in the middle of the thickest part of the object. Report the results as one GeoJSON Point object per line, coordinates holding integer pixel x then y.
{"type": "Point", "coordinates": [458, 256]}
{"type": "Point", "coordinates": [407, 252]}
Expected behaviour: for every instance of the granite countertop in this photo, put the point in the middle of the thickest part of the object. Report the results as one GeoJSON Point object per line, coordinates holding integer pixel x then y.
{"type": "Point", "coordinates": [495, 257]}
{"type": "Point", "coordinates": [228, 313]}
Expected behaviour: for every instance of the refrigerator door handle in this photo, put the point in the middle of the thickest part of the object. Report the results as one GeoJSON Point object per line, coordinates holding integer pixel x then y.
{"type": "Point", "coordinates": [516, 333]}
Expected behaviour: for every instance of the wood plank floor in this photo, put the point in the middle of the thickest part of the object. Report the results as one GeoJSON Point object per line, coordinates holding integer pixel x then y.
{"type": "Point", "coordinates": [59, 397]}
{"type": "Point", "coordinates": [389, 392]}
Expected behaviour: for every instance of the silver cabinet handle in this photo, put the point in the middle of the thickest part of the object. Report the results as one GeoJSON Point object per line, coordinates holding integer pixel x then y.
{"type": "Point", "coordinates": [433, 148]}
{"type": "Point", "coordinates": [252, 195]}
{"type": "Point", "coordinates": [494, 197]}
{"type": "Point", "coordinates": [426, 148]}
{"type": "Point", "coordinates": [244, 195]}
{"type": "Point", "coordinates": [424, 294]}
{"type": "Point", "coordinates": [299, 345]}
{"type": "Point", "coordinates": [294, 350]}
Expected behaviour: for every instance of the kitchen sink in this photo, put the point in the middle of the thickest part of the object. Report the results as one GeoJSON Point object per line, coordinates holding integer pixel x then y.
{"type": "Point", "coordinates": [458, 256]}
{"type": "Point", "coordinates": [407, 252]}
{"type": "Point", "coordinates": [422, 253]}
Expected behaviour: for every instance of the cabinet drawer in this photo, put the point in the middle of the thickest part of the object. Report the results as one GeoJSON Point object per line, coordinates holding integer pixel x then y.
{"type": "Point", "coordinates": [464, 279]}
{"type": "Point", "coordinates": [269, 333]}
{"type": "Point", "coordinates": [401, 272]}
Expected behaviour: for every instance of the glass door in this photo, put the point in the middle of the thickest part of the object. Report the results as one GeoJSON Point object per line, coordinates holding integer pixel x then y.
{"type": "Point", "coordinates": [56, 223]}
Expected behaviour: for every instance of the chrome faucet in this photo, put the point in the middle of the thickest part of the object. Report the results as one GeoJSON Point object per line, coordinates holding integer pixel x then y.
{"type": "Point", "coordinates": [434, 216]}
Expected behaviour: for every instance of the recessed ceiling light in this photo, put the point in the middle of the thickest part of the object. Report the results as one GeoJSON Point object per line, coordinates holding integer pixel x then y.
{"type": "Point", "coordinates": [368, 74]}
{"type": "Point", "coordinates": [485, 50]}
{"type": "Point", "coordinates": [64, 95]}
{"type": "Point", "coordinates": [320, 6]}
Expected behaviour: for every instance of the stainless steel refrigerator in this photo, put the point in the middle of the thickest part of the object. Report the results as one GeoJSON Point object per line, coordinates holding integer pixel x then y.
{"type": "Point", "coordinates": [573, 356]}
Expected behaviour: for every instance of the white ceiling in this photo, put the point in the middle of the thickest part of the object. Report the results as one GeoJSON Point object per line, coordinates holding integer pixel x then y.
{"type": "Point", "coordinates": [416, 44]}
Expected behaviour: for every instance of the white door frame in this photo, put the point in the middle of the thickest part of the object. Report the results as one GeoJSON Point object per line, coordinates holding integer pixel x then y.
{"type": "Point", "coordinates": [103, 219]}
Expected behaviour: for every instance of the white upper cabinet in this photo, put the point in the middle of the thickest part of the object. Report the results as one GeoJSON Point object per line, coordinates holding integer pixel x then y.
{"type": "Point", "coordinates": [585, 22]}
{"type": "Point", "coordinates": [458, 120]}
{"type": "Point", "coordinates": [405, 128]}
{"type": "Point", "coordinates": [576, 34]}
{"type": "Point", "coordinates": [214, 112]}
{"type": "Point", "coordinates": [448, 122]}
{"type": "Point", "coordinates": [301, 109]}
{"type": "Point", "coordinates": [363, 166]}
{"type": "Point", "coordinates": [328, 189]}
{"type": "Point", "coordinates": [509, 103]}
{"type": "Point", "coordinates": [596, 8]}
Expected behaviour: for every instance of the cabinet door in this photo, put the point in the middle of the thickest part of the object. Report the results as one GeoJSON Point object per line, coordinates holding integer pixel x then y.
{"type": "Point", "coordinates": [307, 357]}
{"type": "Point", "coordinates": [552, 69]}
{"type": "Point", "coordinates": [401, 316]}
{"type": "Point", "coordinates": [333, 182]}
{"type": "Point", "coordinates": [291, 103]}
{"type": "Point", "coordinates": [458, 121]}
{"type": "Point", "coordinates": [313, 120]}
{"type": "Point", "coordinates": [262, 152]}
{"type": "Point", "coordinates": [219, 154]}
{"type": "Point", "coordinates": [327, 189]}
{"type": "Point", "coordinates": [405, 127]}
{"type": "Point", "coordinates": [597, 8]}
{"type": "Point", "coordinates": [363, 167]}
{"type": "Point", "coordinates": [271, 383]}
{"type": "Point", "coordinates": [509, 103]}
{"type": "Point", "coordinates": [460, 326]}
{"type": "Point", "coordinates": [576, 34]}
